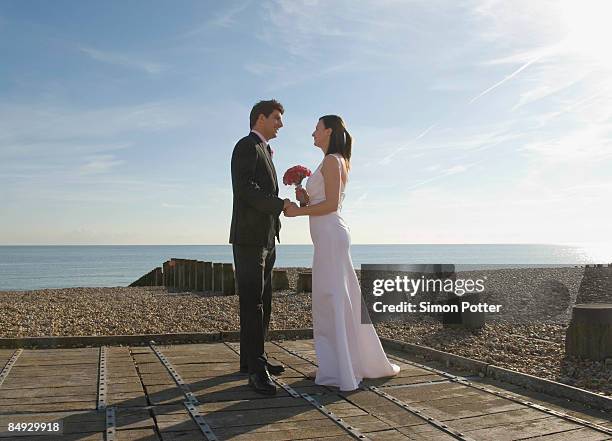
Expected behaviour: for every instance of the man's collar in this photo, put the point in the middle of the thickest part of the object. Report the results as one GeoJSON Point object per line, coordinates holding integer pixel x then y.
{"type": "Point", "coordinates": [260, 136]}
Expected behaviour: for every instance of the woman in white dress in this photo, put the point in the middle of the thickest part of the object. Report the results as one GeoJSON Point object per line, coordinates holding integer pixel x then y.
{"type": "Point", "coordinates": [347, 350]}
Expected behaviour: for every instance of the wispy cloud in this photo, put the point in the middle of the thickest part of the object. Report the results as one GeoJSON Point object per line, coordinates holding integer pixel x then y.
{"type": "Point", "coordinates": [289, 76]}
{"type": "Point", "coordinates": [387, 159]}
{"type": "Point", "coordinates": [226, 18]}
{"type": "Point", "coordinates": [453, 142]}
{"type": "Point", "coordinates": [319, 39]}
{"type": "Point", "coordinates": [449, 171]}
{"type": "Point", "coordinates": [99, 164]}
{"type": "Point", "coordinates": [123, 60]}
{"type": "Point", "coordinates": [31, 124]}
{"type": "Point", "coordinates": [167, 205]}
{"type": "Point", "coordinates": [507, 78]}
{"type": "Point", "coordinates": [591, 143]}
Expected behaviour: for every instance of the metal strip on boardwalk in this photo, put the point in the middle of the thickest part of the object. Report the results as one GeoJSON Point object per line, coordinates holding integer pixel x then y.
{"type": "Point", "coordinates": [111, 424]}
{"type": "Point", "coordinates": [102, 387]}
{"type": "Point", "coordinates": [465, 382]}
{"type": "Point", "coordinates": [191, 401]}
{"type": "Point", "coordinates": [199, 419]}
{"type": "Point", "coordinates": [9, 364]}
{"type": "Point", "coordinates": [313, 402]}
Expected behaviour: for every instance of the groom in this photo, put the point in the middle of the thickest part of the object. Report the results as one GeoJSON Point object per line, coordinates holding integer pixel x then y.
{"type": "Point", "coordinates": [255, 225]}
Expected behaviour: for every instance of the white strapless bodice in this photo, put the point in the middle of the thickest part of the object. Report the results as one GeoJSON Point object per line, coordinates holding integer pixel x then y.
{"type": "Point", "coordinates": [315, 186]}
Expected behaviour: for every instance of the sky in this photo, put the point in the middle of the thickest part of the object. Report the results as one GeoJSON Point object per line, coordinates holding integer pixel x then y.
{"type": "Point", "coordinates": [478, 121]}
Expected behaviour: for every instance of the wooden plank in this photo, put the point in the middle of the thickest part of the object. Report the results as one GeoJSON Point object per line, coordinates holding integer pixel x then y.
{"type": "Point", "coordinates": [49, 399]}
{"type": "Point", "coordinates": [519, 415]}
{"type": "Point", "coordinates": [30, 383]}
{"type": "Point", "coordinates": [45, 392]}
{"type": "Point", "coordinates": [426, 432]}
{"type": "Point", "coordinates": [576, 435]}
{"type": "Point", "coordinates": [384, 435]}
{"type": "Point", "coordinates": [305, 411]}
{"type": "Point", "coordinates": [282, 431]}
{"type": "Point", "coordinates": [524, 429]}
{"type": "Point", "coordinates": [46, 362]}
{"type": "Point", "coordinates": [160, 379]}
{"type": "Point", "coordinates": [295, 430]}
{"type": "Point", "coordinates": [203, 358]}
{"type": "Point", "coordinates": [263, 403]}
{"type": "Point", "coordinates": [298, 345]}
{"type": "Point", "coordinates": [53, 372]}
{"type": "Point", "coordinates": [220, 347]}
{"type": "Point", "coordinates": [54, 407]}
{"type": "Point", "coordinates": [137, 435]}
{"type": "Point", "coordinates": [394, 415]}
{"type": "Point", "coordinates": [165, 394]}
{"type": "Point", "coordinates": [445, 410]}
{"type": "Point", "coordinates": [399, 381]}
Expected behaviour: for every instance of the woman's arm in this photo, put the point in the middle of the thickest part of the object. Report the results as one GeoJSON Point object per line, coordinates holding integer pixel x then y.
{"type": "Point", "coordinates": [332, 178]}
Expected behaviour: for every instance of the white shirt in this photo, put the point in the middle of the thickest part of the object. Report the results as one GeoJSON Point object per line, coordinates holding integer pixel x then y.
{"type": "Point", "coordinates": [260, 136]}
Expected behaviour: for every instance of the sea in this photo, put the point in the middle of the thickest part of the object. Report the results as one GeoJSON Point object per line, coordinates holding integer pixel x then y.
{"type": "Point", "coordinates": [40, 267]}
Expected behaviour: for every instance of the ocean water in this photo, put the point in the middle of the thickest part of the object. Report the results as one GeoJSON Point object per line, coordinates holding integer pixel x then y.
{"type": "Point", "coordinates": [37, 267]}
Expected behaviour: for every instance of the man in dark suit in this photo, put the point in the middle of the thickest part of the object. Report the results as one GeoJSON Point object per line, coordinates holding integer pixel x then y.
{"type": "Point", "coordinates": [255, 226]}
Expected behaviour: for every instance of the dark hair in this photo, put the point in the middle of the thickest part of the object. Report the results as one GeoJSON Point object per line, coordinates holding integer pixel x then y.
{"type": "Point", "coordinates": [340, 140]}
{"type": "Point", "coordinates": [264, 108]}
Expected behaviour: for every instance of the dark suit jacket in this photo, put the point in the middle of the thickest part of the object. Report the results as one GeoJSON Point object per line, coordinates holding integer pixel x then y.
{"type": "Point", "coordinates": [257, 207]}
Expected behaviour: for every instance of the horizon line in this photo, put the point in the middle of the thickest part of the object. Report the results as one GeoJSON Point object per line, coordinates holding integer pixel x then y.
{"type": "Point", "coordinates": [282, 244]}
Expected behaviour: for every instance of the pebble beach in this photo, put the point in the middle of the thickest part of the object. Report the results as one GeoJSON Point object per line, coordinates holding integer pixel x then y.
{"type": "Point", "coordinates": [528, 337]}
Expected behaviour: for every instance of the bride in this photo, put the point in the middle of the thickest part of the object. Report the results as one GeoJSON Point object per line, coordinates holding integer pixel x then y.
{"type": "Point", "coordinates": [347, 350]}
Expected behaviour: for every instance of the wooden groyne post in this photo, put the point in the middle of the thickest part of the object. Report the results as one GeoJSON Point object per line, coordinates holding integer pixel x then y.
{"type": "Point", "coordinates": [152, 278]}
{"type": "Point", "coordinates": [191, 275]}
{"type": "Point", "coordinates": [589, 334]}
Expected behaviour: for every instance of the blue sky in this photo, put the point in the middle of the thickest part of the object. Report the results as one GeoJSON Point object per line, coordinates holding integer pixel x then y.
{"type": "Point", "coordinates": [474, 121]}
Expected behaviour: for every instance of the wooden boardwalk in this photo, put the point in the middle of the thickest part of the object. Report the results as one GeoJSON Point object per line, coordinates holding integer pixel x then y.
{"type": "Point", "coordinates": [195, 392]}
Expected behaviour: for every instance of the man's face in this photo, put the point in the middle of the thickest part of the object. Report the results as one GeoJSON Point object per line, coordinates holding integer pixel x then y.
{"type": "Point", "coordinates": [271, 124]}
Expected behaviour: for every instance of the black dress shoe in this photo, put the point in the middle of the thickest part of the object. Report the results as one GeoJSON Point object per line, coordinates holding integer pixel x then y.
{"type": "Point", "coordinates": [275, 369]}
{"type": "Point", "coordinates": [262, 383]}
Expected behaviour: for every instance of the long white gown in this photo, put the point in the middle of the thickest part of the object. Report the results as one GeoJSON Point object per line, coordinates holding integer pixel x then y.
{"type": "Point", "coordinates": [347, 350]}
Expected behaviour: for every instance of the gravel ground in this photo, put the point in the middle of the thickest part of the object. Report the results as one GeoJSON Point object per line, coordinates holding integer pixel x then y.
{"type": "Point", "coordinates": [534, 347]}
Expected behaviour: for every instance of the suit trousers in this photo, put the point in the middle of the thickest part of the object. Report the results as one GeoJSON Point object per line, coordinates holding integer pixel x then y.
{"type": "Point", "coordinates": [253, 266]}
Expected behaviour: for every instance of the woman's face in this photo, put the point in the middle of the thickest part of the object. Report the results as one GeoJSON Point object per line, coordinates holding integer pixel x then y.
{"type": "Point", "coordinates": [321, 135]}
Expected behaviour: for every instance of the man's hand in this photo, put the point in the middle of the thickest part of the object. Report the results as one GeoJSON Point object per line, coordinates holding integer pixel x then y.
{"type": "Point", "coordinates": [287, 204]}
{"type": "Point", "coordinates": [292, 210]}
{"type": "Point", "coordinates": [302, 195]}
